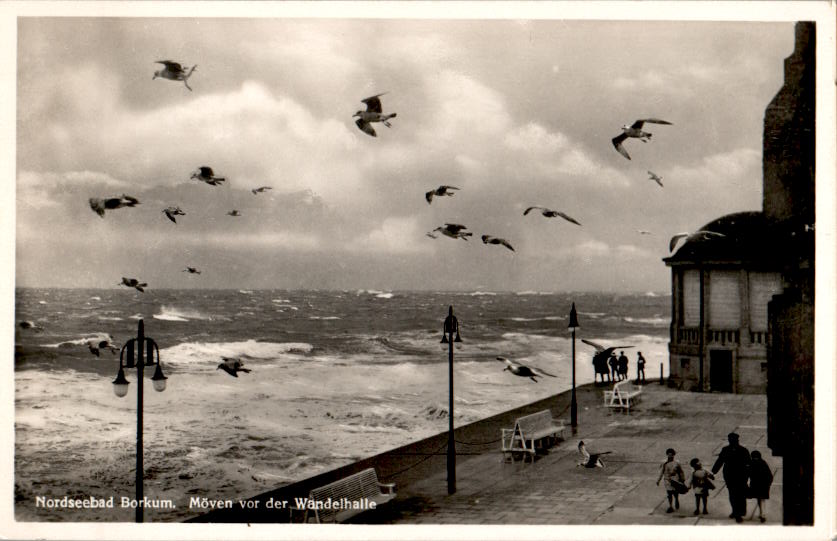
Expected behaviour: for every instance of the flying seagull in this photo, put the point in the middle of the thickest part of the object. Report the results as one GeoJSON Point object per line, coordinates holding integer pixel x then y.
{"type": "Point", "coordinates": [440, 191]}
{"type": "Point", "coordinates": [601, 351]}
{"type": "Point", "coordinates": [234, 212]}
{"type": "Point", "coordinates": [260, 189]}
{"type": "Point", "coordinates": [488, 239]}
{"type": "Point", "coordinates": [171, 212]}
{"type": "Point", "coordinates": [96, 345]}
{"type": "Point", "coordinates": [551, 214]}
{"type": "Point", "coordinates": [206, 174]}
{"type": "Point", "coordinates": [635, 130]}
{"type": "Point", "coordinates": [643, 231]}
{"type": "Point", "coordinates": [373, 113]}
{"type": "Point", "coordinates": [191, 270]}
{"type": "Point", "coordinates": [656, 178]}
{"type": "Point", "coordinates": [173, 71]}
{"type": "Point", "coordinates": [590, 460]}
{"type": "Point", "coordinates": [431, 234]}
{"type": "Point", "coordinates": [697, 235]}
{"type": "Point", "coordinates": [454, 231]}
{"type": "Point", "coordinates": [99, 206]}
{"type": "Point", "coordinates": [30, 325]}
{"type": "Point", "coordinates": [133, 282]}
{"type": "Point", "coordinates": [523, 370]}
{"type": "Point", "coordinates": [232, 366]}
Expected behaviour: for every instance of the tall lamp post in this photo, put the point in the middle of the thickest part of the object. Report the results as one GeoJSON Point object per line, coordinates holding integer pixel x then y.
{"type": "Point", "coordinates": [144, 357]}
{"type": "Point", "coordinates": [573, 404]}
{"type": "Point", "coordinates": [451, 327]}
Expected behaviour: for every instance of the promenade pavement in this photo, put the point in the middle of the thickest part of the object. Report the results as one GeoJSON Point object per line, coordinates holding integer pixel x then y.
{"type": "Point", "coordinates": [554, 490]}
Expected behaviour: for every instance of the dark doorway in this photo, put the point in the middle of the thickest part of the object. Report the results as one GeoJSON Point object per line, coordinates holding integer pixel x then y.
{"type": "Point", "coordinates": [720, 370]}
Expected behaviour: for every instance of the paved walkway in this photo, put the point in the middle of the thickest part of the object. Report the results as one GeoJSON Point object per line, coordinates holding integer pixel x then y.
{"type": "Point", "coordinates": [553, 490]}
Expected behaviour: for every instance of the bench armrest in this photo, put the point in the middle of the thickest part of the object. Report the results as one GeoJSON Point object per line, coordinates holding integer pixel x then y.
{"type": "Point", "coordinates": [387, 488]}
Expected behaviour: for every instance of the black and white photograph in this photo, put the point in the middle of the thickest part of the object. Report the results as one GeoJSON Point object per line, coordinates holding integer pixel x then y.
{"type": "Point", "coordinates": [422, 270]}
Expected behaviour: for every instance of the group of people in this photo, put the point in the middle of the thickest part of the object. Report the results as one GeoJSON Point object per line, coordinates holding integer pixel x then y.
{"type": "Point", "coordinates": [746, 475]}
{"type": "Point", "coordinates": [619, 367]}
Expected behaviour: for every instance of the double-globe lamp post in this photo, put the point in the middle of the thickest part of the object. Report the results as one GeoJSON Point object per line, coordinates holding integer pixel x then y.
{"type": "Point", "coordinates": [145, 347]}
{"type": "Point", "coordinates": [451, 327]}
{"type": "Point", "coordinates": [573, 404]}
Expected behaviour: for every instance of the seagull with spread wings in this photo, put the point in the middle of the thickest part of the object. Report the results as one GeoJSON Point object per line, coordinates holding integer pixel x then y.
{"type": "Point", "coordinates": [260, 189]}
{"type": "Point", "coordinates": [440, 191]}
{"type": "Point", "coordinates": [205, 173]}
{"type": "Point", "coordinates": [549, 213]}
{"type": "Point", "coordinates": [232, 366]}
{"type": "Point", "coordinates": [488, 239]}
{"type": "Point", "coordinates": [133, 282]}
{"type": "Point", "coordinates": [100, 205]}
{"type": "Point", "coordinates": [173, 71]}
{"type": "Point", "coordinates": [373, 113]}
{"type": "Point", "coordinates": [454, 231]}
{"type": "Point", "coordinates": [634, 130]}
{"type": "Point", "coordinates": [656, 178]}
{"type": "Point", "coordinates": [171, 212]}
{"type": "Point", "coordinates": [524, 371]}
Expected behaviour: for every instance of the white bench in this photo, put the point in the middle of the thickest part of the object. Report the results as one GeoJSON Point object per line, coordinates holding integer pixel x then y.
{"type": "Point", "coordinates": [624, 395]}
{"type": "Point", "coordinates": [528, 430]}
{"type": "Point", "coordinates": [353, 494]}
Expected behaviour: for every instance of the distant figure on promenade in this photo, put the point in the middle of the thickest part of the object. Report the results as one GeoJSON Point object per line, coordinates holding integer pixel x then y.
{"type": "Point", "coordinates": [640, 368]}
{"type": "Point", "coordinates": [672, 473]}
{"type": "Point", "coordinates": [613, 362]}
{"type": "Point", "coordinates": [735, 460]}
{"type": "Point", "coordinates": [701, 483]}
{"type": "Point", "coordinates": [760, 480]}
{"type": "Point", "coordinates": [623, 366]}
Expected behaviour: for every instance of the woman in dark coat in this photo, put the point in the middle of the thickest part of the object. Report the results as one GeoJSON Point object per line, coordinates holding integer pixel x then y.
{"type": "Point", "coordinates": [760, 480]}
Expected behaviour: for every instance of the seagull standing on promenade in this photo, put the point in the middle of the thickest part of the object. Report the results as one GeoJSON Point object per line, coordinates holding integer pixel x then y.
{"type": "Point", "coordinates": [100, 205]}
{"type": "Point", "coordinates": [205, 173]}
{"type": "Point", "coordinates": [524, 371]}
{"type": "Point", "coordinates": [133, 282]}
{"type": "Point", "coordinates": [173, 71]}
{"type": "Point", "coordinates": [590, 460]}
{"type": "Point", "coordinates": [454, 231]}
{"type": "Point", "coordinates": [373, 113]}
{"type": "Point", "coordinates": [697, 235]}
{"type": "Point", "coordinates": [549, 213]}
{"type": "Point", "coordinates": [488, 239]}
{"type": "Point", "coordinates": [171, 212]}
{"type": "Point", "coordinates": [440, 191]}
{"type": "Point", "coordinates": [656, 178]}
{"type": "Point", "coordinates": [635, 131]}
{"type": "Point", "coordinates": [232, 366]}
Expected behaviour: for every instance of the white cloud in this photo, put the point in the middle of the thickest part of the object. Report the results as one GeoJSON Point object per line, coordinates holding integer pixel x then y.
{"type": "Point", "coordinates": [723, 169]}
{"type": "Point", "coordinates": [397, 235]}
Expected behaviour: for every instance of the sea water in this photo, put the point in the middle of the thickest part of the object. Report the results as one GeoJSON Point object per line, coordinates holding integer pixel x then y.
{"type": "Point", "coordinates": [336, 376]}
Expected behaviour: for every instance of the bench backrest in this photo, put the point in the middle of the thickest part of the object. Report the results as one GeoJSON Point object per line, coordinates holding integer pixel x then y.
{"type": "Point", "coordinates": [626, 387]}
{"type": "Point", "coordinates": [534, 422]}
{"type": "Point", "coordinates": [357, 486]}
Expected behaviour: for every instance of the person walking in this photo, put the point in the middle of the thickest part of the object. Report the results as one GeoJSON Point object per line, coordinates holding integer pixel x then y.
{"type": "Point", "coordinates": [735, 460]}
{"type": "Point", "coordinates": [672, 473]}
{"type": "Point", "coordinates": [640, 368]}
{"type": "Point", "coordinates": [623, 366]}
{"type": "Point", "coordinates": [701, 483]}
{"type": "Point", "coordinates": [760, 480]}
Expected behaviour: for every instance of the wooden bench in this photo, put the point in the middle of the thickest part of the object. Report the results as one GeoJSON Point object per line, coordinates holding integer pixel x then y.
{"type": "Point", "coordinates": [342, 499]}
{"type": "Point", "coordinates": [528, 430]}
{"type": "Point", "coordinates": [624, 395]}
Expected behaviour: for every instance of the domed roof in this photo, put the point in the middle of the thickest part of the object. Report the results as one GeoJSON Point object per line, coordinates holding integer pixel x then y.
{"type": "Point", "coordinates": [749, 238]}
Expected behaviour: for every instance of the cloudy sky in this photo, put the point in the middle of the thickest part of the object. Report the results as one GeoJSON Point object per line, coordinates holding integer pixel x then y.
{"type": "Point", "coordinates": [514, 112]}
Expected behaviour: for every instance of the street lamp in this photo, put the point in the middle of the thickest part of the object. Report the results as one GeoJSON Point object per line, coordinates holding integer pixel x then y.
{"type": "Point", "coordinates": [144, 357]}
{"type": "Point", "coordinates": [451, 326]}
{"type": "Point", "coordinates": [573, 405]}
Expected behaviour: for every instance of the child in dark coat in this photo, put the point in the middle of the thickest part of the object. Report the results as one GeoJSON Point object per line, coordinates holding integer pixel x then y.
{"type": "Point", "coordinates": [701, 483]}
{"type": "Point", "coordinates": [760, 480]}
